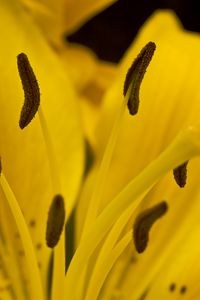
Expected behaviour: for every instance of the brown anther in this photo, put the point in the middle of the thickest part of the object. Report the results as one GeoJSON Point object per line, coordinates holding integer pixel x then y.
{"type": "Point", "coordinates": [135, 76]}
{"type": "Point", "coordinates": [31, 90]}
{"type": "Point", "coordinates": [180, 174]}
{"type": "Point", "coordinates": [55, 222]}
{"type": "Point", "coordinates": [143, 224]}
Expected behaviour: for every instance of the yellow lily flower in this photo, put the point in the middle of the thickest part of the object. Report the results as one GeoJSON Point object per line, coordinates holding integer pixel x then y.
{"type": "Point", "coordinates": [115, 195]}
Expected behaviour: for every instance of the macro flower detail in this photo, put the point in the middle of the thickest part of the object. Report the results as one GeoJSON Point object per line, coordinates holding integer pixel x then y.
{"type": "Point", "coordinates": [55, 222]}
{"type": "Point", "coordinates": [70, 234]}
{"type": "Point", "coordinates": [180, 174]}
{"type": "Point", "coordinates": [31, 90]}
{"type": "Point", "coordinates": [135, 75]}
{"type": "Point", "coordinates": [143, 224]}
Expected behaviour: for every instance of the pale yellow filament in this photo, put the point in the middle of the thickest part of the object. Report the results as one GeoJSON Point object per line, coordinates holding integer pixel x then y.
{"type": "Point", "coordinates": [57, 291]}
{"type": "Point", "coordinates": [103, 169]}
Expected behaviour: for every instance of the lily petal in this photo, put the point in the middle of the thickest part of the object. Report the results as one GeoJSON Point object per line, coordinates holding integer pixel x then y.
{"type": "Point", "coordinates": [24, 154]}
{"type": "Point", "coordinates": [169, 99]}
{"type": "Point", "coordinates": [64, 16]}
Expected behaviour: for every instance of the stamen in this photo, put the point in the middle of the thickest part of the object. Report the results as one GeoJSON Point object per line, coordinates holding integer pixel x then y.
{"type": "Point", "coordinates": [135, 76]}
{"type": "Point", "coordinates": [55, 221]}
{"type": "Point", "coordinates": [31, 90]}
{"type": "Point", "coordinates": [185, 146]}
{"type": "Point", "coordinates": [30, 107]}
{"type": "Point", "coordinates": [58, 275]}
{"type": "Point", "coordinates": [143, 224]}
{"type": "Point", "coordinates": [180, 174]}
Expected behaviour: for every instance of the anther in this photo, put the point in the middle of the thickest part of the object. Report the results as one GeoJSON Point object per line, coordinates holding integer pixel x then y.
{"type": "Point", "coordinates": [55, 222]}
{"type": "Point", "coordinates": [180, 174]}
{"type": "Point", "coordinates": [31, 90]}
{"type": "Point", "coordinates": [135, 76]}
{"type": "Point", "coordinates": [143, 224]}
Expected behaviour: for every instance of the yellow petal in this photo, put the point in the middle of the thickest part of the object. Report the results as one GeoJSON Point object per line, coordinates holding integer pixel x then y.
{"type": "Point", "coordinates": [57, 99]}
{"type": "Point", "coordinates": [92, 93]}
{"type": "Point", "coordinates": [171, 250]}
{"type": "Point", "coordinates": [180, 267]}
{"type": "Point", "coordinates": [165, 239]}
{"type": "Point", "coordinates": [24, 156]}
{"type": "Point", "coordinates": [91, 77]}
{"type": "Point", "coordinates": [80, 11]}
{"type": "Point", "coordinates": [33, 269]}
{"type": "Point", "coordinates": [185, 145]}
{"type": "Point", "coordinates": [64, 16]}
{"type": "Point", "coordinates": [98, 74]}
{"type": "Point", "coordinates": [141, 143]}
{"type": "Point", "coordinates": [168, 99]}
{"type": "Point", "coordinates": [75, 59]}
